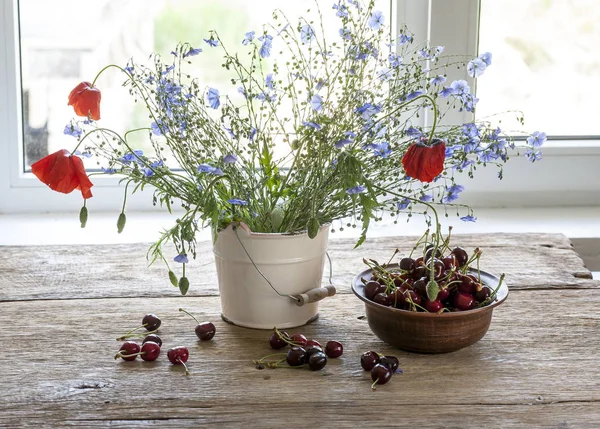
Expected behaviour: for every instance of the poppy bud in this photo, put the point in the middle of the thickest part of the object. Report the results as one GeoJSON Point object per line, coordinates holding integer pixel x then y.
{"type": "Point", "coordinates": [184, 285]}
{"type": "Point", "coordinates": [423, 162]}
{"type": "Point", "coordinates": [121, 222]}
{"type": "Point", "coordinates": [83, 216]}
{"type": "Point", "coordinates": [173, 278]}
{"type": "Point", "coordinates": [313, 227]}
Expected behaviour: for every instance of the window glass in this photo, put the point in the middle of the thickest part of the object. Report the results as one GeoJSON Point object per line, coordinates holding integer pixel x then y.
{"type": "Point", "coordinates": [64, 42]}
{"type": "Point", "coordinates": [545, 63]}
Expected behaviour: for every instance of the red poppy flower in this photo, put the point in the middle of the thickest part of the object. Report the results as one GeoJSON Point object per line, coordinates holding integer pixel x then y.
{"type": "Point", "coordinates": [63, 172]}
{"type": "Point", "coordinates": [423, 162]}
{"type": "Point", "coordinates": [85, 100]}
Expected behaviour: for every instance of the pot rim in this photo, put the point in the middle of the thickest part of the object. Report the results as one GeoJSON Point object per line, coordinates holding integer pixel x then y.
{"type": "Point", "coordinates": [248, 231]}
{"type": "Point", "coordinates": [501, 295]}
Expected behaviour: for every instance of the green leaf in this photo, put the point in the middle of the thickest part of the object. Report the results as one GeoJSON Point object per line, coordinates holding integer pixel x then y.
{"type": "Point", "coordinates": [432, 290]}
{"type": "Point", "coordinates": [184, 285]}
{"type": "Point", "coordinates": [276, 217]}
{"type": "Point", "coordinates": [313, 226]}
{"type": "Point", "coordinates": [173, 278]}
{"type": "Point", "coordinates": [83, 216]}
{"type": "Point", "coordinates": [121, 222]}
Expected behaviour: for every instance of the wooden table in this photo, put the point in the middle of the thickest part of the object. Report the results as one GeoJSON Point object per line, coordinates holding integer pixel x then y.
{"type": "Point", "coordinates": [61, 309]}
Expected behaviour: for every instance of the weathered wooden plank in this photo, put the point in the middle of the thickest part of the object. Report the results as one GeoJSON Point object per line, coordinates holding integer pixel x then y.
{"type": "Point", "coordinates": [536, 367]}
{"type": "Point", "coordinates": [120, 270]}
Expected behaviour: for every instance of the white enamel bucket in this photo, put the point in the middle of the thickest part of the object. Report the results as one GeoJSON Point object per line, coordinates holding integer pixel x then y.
{"type": "Point", "coordinates": [293, 264]}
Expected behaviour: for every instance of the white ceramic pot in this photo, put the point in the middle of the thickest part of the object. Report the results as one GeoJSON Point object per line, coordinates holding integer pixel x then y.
{"type": "Point", "coordinates": [292, 263]}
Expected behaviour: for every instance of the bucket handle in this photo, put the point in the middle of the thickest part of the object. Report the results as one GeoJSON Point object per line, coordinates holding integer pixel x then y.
{"type": "Point", "coordinates": [310, 296]}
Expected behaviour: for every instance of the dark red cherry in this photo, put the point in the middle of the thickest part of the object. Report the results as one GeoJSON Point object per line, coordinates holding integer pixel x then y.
{"type": "Point", "coordinates": [407, 264]}
{"type": "Point", "coordinates": [296, 356]}
{"type": "Point", "coordinates": [419, 272]}
{"type": "Point", "coordinates": [151, 322]}
{"type": "Point", "coordinates": [152, 337]}
{"type": "Point", "coordinates": [433, 306]}
{"type": "Point", "coordinates": [371, 289]}
{"type": "Point", "coordinates": [149, 351]}
{"type": "Point", "coordinates": [420, 286]}
{"type": "Point", "coordinates": [277, 340]}
{"type": "Point", "coordinates": [464, 301]}
{"type": "Point", "coordinates": [369, 359]}
{"type": "Point", "coordinates": [179, 356]}
{"type": "Point", "coordinates": [383, 299]}
{"type": "Point", "coordinates": [450, 261]}
{"type": "Point", "coordinates": [312, 342]}
{"type": "Point", "coordinates": [381, 374]}
{"type": "Point", "coordinates": [461, 255]}
{"type": "Point", "coordinates": [411, 297]}
{"type": "Point", "coordinates": [467, 285]}
{"type": "Point", "coordinates": [430, 252]}
{"type": "Point", "coordinates": [299, 340]}
{"type": "Point", "coordinates": [483, 294]}
{"type": "Point", "coordinates": [205, 331]}
{"type": "Point", "coordinates": [334, 349]}
{"type": "Point", "coordinates": [443, 294]}
{"type": "Point", "coordinates": [390, 361]}
{"type": "Point", "coordinates": [317, 361]}
{"type": "Point", "coordinates": [312, 349]}
{"type": "Point", "coordinates": [128, 348]}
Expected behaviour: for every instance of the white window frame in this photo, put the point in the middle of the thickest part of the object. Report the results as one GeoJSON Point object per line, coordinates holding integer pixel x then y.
{"type": "Point", "coordinates": [567, 176]}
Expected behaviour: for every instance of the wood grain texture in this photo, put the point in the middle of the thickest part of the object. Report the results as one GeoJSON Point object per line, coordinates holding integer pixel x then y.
{"type": "Point", "coordinates": [61, 308]}
{"type": "Point", "coordinates": [536, 367]}
{"type": "Point", "coordinates": [530, 261]}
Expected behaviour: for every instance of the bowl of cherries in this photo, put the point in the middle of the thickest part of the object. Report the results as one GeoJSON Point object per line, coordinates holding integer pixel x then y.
{"type": "Point", "coordinates": [430, 302]}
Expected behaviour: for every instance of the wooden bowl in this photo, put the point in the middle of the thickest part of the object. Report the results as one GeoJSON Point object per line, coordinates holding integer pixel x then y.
{"type": "Point", "coordinates": [429, 332]}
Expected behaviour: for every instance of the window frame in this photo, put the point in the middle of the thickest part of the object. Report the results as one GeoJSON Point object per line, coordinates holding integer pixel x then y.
{"type": "Point", "coordinates": [568, 174]}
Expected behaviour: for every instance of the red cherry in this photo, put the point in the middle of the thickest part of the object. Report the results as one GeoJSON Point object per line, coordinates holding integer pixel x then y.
{"type": "Point", "coordinates": [129, 351]}
{"type": "Point", "coordinates": [179, 356]}
{"type": "Point", "coordinates": [443, 294]}
{"type": "Point", "coordinates": [334, 349]}
{"type": "Point", "coordinates": [433, 306]}
{"type": "Point", "coordinates": [464, 301]}
{"type": "Point", "coordinates": [312, 343]}
{"type": "Point", "coordinates": [277, 340]}
{"type": "Point", "coordinates": [150, 351]}
{"type": "Point", "coordinates": [299, 340]}
{"type": "Point", "coordinates": [205, 331]}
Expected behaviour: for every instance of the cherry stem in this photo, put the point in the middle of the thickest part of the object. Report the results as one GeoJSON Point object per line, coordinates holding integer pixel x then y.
{"type": "Point", "coordinates": [189, 314]}
{"type": "Point", "coordinates": [121, 355]}
{"type": "Point", "coordinates": [374, 383]}
{"type": "Point", "coordinates": [187, 372]}
{"type": "Point", "coordinates": [285, 339]}
{"type": "Point", "coordinates": [130, 334]}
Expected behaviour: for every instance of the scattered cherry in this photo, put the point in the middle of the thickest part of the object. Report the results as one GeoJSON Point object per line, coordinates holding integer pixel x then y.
{"type": "Point", "coordinates": [334, 349]}
{"type": "Point", "coordinates": [154, 338]}
{"type": "Point", "coordinates": [312, 342]}
{"type": "Point", "coordinates": [179, 356]}
{"type": "Point", "coordinates": [317, 361]}
{"type": "Point", "coordinates": [299, 340]}
{"type": "Point", "coordinates": [151, 322]}
{"type": "Point", "coordinates": [204, 331]}
{"type": "Point", "coordinates": [296, 356]}
{"type": "Point", "coordinates": [380, 374]}
{"type": "Point", "coordinates": [369, 359]}
{"type": "Point", "coordinates": [312, 349]}
{"type": "Point", "coordinates": [149, 351]}
{"type": "Point", "coordinates": [128, 351]}
{"type": "Point", "coordinates": [391, 362]}
{"type": "Point", "coordinates": [278, 339]}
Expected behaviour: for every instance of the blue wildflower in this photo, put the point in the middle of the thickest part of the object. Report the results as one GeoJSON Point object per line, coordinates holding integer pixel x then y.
{"type": "Point", "coordinates": [129, 69]}
{"type": "Point", "coordinates": [252, 134]}
{"type": "Point", "coordinates": [376, 20]}
{"type": "Point", "coordinates": [192, 52]}
{"type": "Point", "coordinates": [207, 168]}
{"type": "Point", "coordinates": [414, 94]}
{"type": "Point", "coordinates": [108, 170]}
{"type": "Point", "coordinates": [537, 139]}
{"type": "Point", "coordinates": [470, 130]}
{"type": "Point", "coordinates": [446, 92]}
{"type": "Point", "coordinates": [486, 57]}
{"type": "Point", "coordinates": [356, 190]}
{"type": "Point", "coordinates": [532, 155]}
{"type": "Point", "coordinates": [237, 202]}
{"type": "Point", "coordinates": [367, 110]}
{"type": "Point", "coordinates": [269, 81]}
{"type": "Point", "coordinates": [460, 87]}
{"type": "Point", "coordinates": [312, 125]}
{"type": "Point", "coordinates": [439, 50]}
{"type": "Point", "coordinates": [242, 91]}
{"type": "Point", "coordinates": [413, 132]}
{"type": "Point", "coordinates": [267, 44]}
{"type": "Point", "coordinates": [345, 33]}
{"type": "Point", "coordinates": [438, 80]}
{"type": "Point", "coordinates": [424, 53]}
{"type": "Point", "coordinates": [72, 130]}
{"type": "Point", "coordinates": [156, 128]}
{"type": "Point", "coordinates": [382, 149]}
{"type": "Point", "coordinates": [405, 38]}
{"type": "Point", "coordinates": [452, 193]}
{"type": "Point", "coordinates": [395, 60]}
{"type": "Point", "coordinates": [402, 205]}
{"type": "Point", "coordinates": [306, 33]}
{"type": "Point", "coordinates": [230, 132]}
{"type": "Point", "coordinates": [342, 10]}
{"type": "Point", "coordinates": [129, 157]}
{"type": "Point", "coordinates": [426, 197]}
{"type": "Point", "coordinates": [213, 98]}
{"type": "Point", "coordinates": [316, 102]}
{"type": "Point", "coordinates": [343, 142]}
{"type": "Point", "coordinates": [168, 69]}
{"type": "Point", "coordinates": [468, 218]}
{"type": "Point", "coordinates": [212, 42]}
{"type": "Point", "coordinates": [249, 36]}
{"type": "Point", "coordinates": [230, 159]}
{"type": "Point", "coordinates": [476, 67]}
{"type": "Point", "coordinates": [181, 258]}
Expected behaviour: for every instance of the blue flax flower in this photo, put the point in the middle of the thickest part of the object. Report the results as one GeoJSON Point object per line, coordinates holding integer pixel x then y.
{"type": "Point", "coordinates": [312, 125]}
{"type": "Point", "coordinates": [438, 80]}
{"type": "Point", "coordinates": [316, 102]}
{"type": "Point", "coordinates": [249, 36]}
{"type": "Point", "coordinates": [345, 33]}
{"type": "Point", "coordinates": [469, 218]}
{"type": "Point", "coordinates": [306, 33]}
{"type": "Point", "coordinates": [486, 57]}
{"type": "Point", "coordinates": [192, 52]}
{"type": "Point", "coordinates": [207, 168]}
{"type": "Point", "coordinates": [532, 155]}
{"type": "Point", "coordinates": [405, 38]}
{"type": "Point", "coordinates": [108, 170]}
{"type": "Point", "coordinates": [402, 205]}
{"type": "Point", "coordinates": [237, 202]}
{"type": "Point", "coordinates": [252, 134]}
{"type": "Point", "coordinates": [376, 20]}
{"type": "Point", "coordinates": [356, 190]}
{"type": "Point", "coordinates": [156, 128]}
{"type": "Point", "coordinates": [230, 159]}
{"type": "Point", "coordinates": [212, 42]}
{"type": "Point", "coordinates": [181, 258]}
{"type": "Point", "coordinates": [72, 130]}
{"type": "Point", "coordinates": [168, 69]}
{"type": "Point", "coordinates": [213, 98]}
{"type": "Point", "coordinates": [267, 44]}
{"type": "Point", "coordinates": [269, 81]}
{"type": "Point", "coordinates": [452, 193]}
{"type": "Point", "coordinates": [447, 91]}
{"type": "Point", "coordinates": [129, 157]}
{"type": "Point", "coordinates": [537, 139]}
{"type": "Point", "coordinates": [382, 149]}
{"type": "Point", "coordinates": [476, 67]}
{"type": "Point", "coordinates": [460, 87]}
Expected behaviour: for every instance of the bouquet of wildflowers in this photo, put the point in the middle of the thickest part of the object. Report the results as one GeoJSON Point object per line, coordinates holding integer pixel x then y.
{"type": "Point", "coordinates": [318, 129]}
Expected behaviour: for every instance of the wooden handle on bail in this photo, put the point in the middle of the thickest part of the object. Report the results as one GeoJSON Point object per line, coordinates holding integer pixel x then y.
{"type": "Point", "coordinates": [314, 295]}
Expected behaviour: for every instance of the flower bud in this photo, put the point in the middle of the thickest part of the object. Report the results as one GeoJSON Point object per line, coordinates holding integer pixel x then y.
{"type": "Point", "coordinates": [184, 285]}
{"type": "Point", "coordinates": [121, 222]}
{"type": "Point", "coordinates": [83, 216]}
{"type": "Point", "coordinates": [173, 278]}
